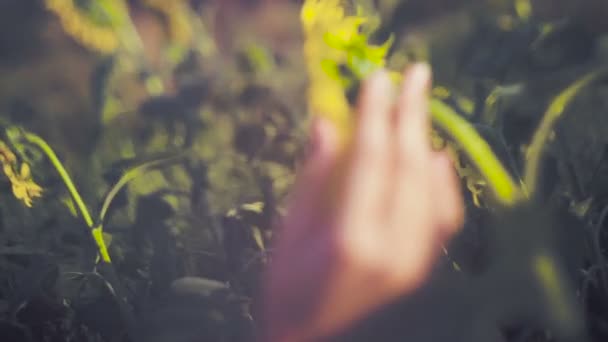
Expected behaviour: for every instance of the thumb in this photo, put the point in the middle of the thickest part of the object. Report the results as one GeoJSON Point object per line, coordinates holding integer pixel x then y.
{"type": "Point", "coordinates": [305, 203]}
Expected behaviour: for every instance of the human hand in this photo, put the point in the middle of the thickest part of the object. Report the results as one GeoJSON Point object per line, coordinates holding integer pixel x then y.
{"type": "Point", "coordinates": [395, 204]}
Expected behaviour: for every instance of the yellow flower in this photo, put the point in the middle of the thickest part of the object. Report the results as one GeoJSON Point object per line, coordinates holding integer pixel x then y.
{"type": "Point", "coordinates": [332, 41]}
{"type": "Point", "coordinates": [24, 188]}
{"type": "Point", "coordinates": [82, 29]}
{"type": "Point", "coordinates": [176, 15]}
{"type": "Point", "coordinates": [326, 93]}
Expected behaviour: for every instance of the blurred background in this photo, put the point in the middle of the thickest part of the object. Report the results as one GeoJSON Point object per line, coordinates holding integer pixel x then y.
{"type": "Point", "coordinates": [181, 122]}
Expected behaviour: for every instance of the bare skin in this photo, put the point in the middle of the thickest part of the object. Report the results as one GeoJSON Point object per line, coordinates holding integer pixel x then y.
{"type": "Point", "coordinates": [377, 239]}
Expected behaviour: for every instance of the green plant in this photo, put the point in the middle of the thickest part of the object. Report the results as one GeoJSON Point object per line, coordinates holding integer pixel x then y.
{"type": "Point", "coordinates": [21, 138]}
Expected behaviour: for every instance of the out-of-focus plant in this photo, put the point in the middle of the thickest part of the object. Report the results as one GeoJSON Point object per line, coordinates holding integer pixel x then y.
{"type": "Point", "coordinates": [335, 41]}
{"type": "Point", "coordinates": [105, 26]}
{"type": "Point", "coordinates": [111, 29]}
{"type": "Point", "coordinates": [102, 26]}
{"type": "Point", "coordinates": [544, 134]}
{"type": "Point", "coordinates": [177, 17]}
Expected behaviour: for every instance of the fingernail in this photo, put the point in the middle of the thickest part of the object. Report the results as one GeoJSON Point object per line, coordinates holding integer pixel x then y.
{"type": "Point", "coordinates": [380, 81]}
{"type": "Point", "coordinates": [418, 75]}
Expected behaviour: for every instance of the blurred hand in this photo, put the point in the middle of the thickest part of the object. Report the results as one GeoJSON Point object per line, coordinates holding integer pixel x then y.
{"type": "Point", "coordinates": [393, 204]}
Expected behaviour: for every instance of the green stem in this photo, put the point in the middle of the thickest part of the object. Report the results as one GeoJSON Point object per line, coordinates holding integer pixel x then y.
{"type": "Point", "coordinates": [96, 232]}
{"type": "Point", "coordinates": [478, 150]}
{"type": "Point", "coordinates": [543, 133]}
{"type": "Point", "coordinates": [106, 267]}
{"type": "Point", "coordinates": [126, 178]}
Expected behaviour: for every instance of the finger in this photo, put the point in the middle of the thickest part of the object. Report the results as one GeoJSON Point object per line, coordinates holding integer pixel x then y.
{"type": "Point", "coordinates": [411, 174]}
{"type": "Point", "coordinates": [411, 208]}
{"type": "Point", "coordinates": [373, 113]}
{"type": "Point", "coordinates": [446, 194]}
{"type": "Point", "coordinates": [412, 116]}
{"type": "Point", "coordinates": [305, 202]}
{"type": "Point", "coordinates": [367, 170]}
{"type": "Point", "coordinates": [312, 179]}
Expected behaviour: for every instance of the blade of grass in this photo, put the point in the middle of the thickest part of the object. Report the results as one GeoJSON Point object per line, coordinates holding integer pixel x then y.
{"type": "Point", "coordinates": [543, 132]}
{"type": "Point", "coordinates": [65, 177]}
{"type": "Point", "coordinates": [128, 176]}
{"type": "Point", "coordinates": [67, 180]}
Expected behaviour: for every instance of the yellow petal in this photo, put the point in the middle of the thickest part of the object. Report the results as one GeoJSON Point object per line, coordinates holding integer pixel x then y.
{"type": "Point", "coordinates": [25, 171]}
